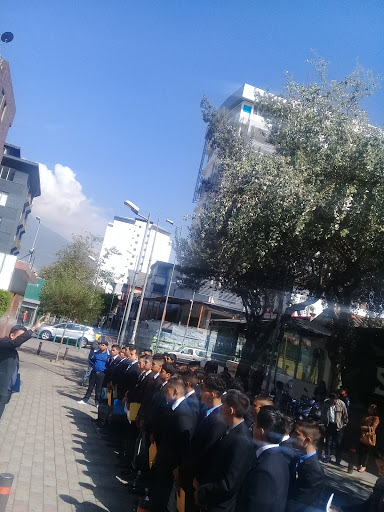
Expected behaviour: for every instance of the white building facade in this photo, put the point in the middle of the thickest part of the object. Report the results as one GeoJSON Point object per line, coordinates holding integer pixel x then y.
{"type": "Point", "coordinates": [122, 243]}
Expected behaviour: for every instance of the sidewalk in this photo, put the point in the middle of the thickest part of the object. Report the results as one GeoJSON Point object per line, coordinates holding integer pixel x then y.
{"type": "Point", "coordinates": [49, 443]}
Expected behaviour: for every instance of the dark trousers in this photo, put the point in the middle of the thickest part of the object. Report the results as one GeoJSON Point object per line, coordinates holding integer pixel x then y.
{"type": "Point", "coordinates": [4, 399]}
{"type": "Point", "coordinates": [363, 452]}
{"type": "Point", "coordinates": [333, 437]}
{"type": "Point", "coordinates": [95, 379]}
{"type": "Point", "coordinates": [161, 489]}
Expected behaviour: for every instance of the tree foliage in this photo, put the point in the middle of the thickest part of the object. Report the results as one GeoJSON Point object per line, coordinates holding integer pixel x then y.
{"type": "Point", "coordinates": [5, 301]}
{"type": "Point", "coordinates": [309, 216]}
{"type": "Point", "coordinates": [71, 283]}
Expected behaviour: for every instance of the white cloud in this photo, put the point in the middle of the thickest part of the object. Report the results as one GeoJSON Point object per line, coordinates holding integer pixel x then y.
{"type": "Point", "coordinates": [63, 206]}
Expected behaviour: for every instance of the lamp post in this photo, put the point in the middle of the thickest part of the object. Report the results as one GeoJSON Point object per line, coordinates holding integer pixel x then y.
{"type": "Point", "coordinates": [144, 285]}
{"type": "Point", "coordinates": [168, 290]}
{"type": "Point", "coordinates": [123, 330]}
{"type": "Point", "coordinates": [32, 250]}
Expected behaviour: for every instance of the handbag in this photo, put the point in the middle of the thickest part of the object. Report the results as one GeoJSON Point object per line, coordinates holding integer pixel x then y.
{"type": "Point", "coordinates": [368, 438]}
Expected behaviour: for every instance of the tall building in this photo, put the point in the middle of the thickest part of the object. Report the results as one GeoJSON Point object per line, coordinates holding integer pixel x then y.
{"type": "Point", "coordinates": [19, 185]}
{"type": "Point", "coordinates": [242, 110]}
{"type": "Point", "coordinates": [7, 102]}
{"type": "Point", "coordinates": [122, 243]}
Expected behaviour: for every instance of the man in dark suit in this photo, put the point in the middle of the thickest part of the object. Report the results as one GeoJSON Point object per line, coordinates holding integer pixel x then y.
{"type": "Point", "coordinates": [305, 491]}
{"type": "Point", "coordinates": [9, 359]}
{"type": "Point", "coordinates": [229, 458]}
{"type": "Point", "coordinates": [210, 428]}
{"type": "Point", "coordinates": [174, 437]}
{"type": "Point", "coordinates": [190, 380]}
{"type": "Point", "coordinates": [112, 363]}
{"type": "Point", "coordinates": [265, 487]}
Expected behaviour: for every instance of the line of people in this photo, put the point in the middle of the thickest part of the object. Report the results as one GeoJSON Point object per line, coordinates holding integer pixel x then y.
{"type": "Point", "coordinates": [194, 437]}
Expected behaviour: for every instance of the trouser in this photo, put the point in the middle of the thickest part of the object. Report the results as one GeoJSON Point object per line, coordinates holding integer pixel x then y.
{"type": "Point", "coordinates": [95, 379]}
{"type": "Point", "coordinates": [161, 489]}
{"type": "Point", "coordinates": [86, 374]}
{"type": "Point", "coordinates": [4, 399]}
{"type": "Point", "coordinates": [364, 450]}
{"type": "Point", "coordinates": [334, 437]}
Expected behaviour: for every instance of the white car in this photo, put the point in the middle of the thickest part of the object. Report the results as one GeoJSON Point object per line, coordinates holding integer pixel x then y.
{"type": "Point", "coordinates": [188, 354]}
{"type": "Point", "coordinates": [74, 332]}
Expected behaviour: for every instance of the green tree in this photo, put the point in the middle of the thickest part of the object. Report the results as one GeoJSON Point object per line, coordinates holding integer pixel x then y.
{"type": "Point", "coordinates": [5, 301]}
{"type": "Point", "coordinates": [307, 217]}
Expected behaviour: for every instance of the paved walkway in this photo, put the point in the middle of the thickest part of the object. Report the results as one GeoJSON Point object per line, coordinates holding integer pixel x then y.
{"type": "Point", "coordinates": [50, 444]}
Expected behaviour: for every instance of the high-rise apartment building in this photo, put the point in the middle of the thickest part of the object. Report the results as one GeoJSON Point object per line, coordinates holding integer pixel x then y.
{"type": "Point", "coordinates": [7, 102]}
{"type": "Point", "coordinates": [122, 243]}
{"type": "Point", "coordinates": [19, 185]}
{"type": "Point", "coordinates": [241, 109]}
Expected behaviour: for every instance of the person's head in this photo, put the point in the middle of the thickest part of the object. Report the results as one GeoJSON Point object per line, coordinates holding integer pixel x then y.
{"type": "Point", "coordinates": [167, 371]}
{"type": "Point", "coordinates": [288, 425]}
{"type": "Point", "coordinates": [175, 389]}
{"type": "Point", "coordinates": [157, 363]}
{"type": "Point", "coordinates": [212, 389]}
{"type": "Point", "coordinates": [190, 380]}
{"type": "Point", "coordinates": [16, 331]}
{"type": "Point", "coordinates": [279, 385]}
{"type": "Point", "coordinates": [379, 458]}
{"type": "Point", "coordinates": [170, 358]}
{"type": "Point", "coordinates": [306, 435]}
{"type": "Point", "coordinates": [148, 363]}
{"type": "Point", "coordinates": [342, 391]}
{"type": "Point", "coordinates": [269, 425]}
{"type": "Point", "coordinates": [132, 353]}
{"type": "Point", "coordinates": [193, 365]}
{"type": "Point", "coordinates": [372, 410]}
{"type": "Point", "coordinates": [225, 370]}
{"type": "Point", "coordinates": [260, 401]}
{"type": "Point", "coordinates": [115, 350]}
{"type": "Point", "coordinates": [333, 398]}
{"type": "Point", "coordinates": [148, 352]}
{"type": "Point", "coordinates": [234, 384]}
{"type": "Point", "coordinates": [141, 362]}
{"type": "Point", "coordinates": [235, 405]}
{"type": "Point", "coordinates": [103, 346]}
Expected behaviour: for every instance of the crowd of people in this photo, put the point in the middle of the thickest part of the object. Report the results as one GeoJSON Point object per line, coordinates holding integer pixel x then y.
{"type": "Point", "coordinates": [197, 437]}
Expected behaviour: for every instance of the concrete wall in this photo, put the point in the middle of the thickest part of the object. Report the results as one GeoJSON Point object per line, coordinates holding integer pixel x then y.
{"type": "Point", "coordinates": [7, 115]}
{"type": "Point", "coordinates": [7, 267]}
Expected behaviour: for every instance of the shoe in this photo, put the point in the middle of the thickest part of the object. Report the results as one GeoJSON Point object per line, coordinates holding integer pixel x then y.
{"type": "Point", "coordinates": [362, 469]}
{"type": "Point", "coordinates": [82, 402]}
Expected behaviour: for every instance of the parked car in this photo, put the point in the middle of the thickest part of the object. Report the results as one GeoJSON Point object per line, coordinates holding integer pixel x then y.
{"type": "Point", "coordinates": [77, 332]}
{"type": "Point", "coordinates": [188, 354]}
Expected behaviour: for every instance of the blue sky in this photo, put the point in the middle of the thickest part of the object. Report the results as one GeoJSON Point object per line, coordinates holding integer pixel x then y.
{"type": "Point", "coordinates": [112, 88]}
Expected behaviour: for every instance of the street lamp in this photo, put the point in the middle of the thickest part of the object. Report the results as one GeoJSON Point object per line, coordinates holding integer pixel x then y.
{"type": "Point", "coordinates": [168, 289]}
{"type": "Point", "coordinates": [32, 250]}
{"type": "Point", "coordinates": [135, 210]}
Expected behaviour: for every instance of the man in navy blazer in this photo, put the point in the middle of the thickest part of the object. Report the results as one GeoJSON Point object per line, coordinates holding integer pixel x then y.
{"type": "Point", "coordinates": [265, 487]}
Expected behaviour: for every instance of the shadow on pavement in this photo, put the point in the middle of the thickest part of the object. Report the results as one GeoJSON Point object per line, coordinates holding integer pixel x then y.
{"type": "Point", "coordinates": [99, 465]}
{"type": "Point", "coordinates": [86, 506]}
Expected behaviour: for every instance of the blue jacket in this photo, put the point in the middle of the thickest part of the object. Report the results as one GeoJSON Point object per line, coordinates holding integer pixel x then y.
{"type": "Point", "coordinates": [98, 360]}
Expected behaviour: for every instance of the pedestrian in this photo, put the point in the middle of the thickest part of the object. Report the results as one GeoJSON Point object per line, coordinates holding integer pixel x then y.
{"type": "Point", "coordinates": [306, 488]}
{"type": "Point", "coordinates": [190, 380]}
{"type": "Point", "coordinates": [265, 486]}
{"type": "Point", "coordinates": [334, 416]}
{"type": "Point", "coordinates": [94, 346]}
{"type": "Point", "coordinates": [174, 437]}
{"type": "Point", "coordinates": [9, 359]}
{"type": "Point", "coordinates": [368, 436]}
{"type": "Point", "coordinates": [229, 460]}
{"type": "Point", "coordinates": [98, 360]}
{"type": "Point", "coordinates": [343, 395]}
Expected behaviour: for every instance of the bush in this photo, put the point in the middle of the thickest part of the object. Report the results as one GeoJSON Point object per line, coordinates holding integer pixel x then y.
{"type": "Point", "coordinates": [5, 301]}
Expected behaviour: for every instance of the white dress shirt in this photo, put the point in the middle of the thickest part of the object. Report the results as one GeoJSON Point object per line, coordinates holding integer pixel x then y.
{"type": "Point", "coordinates": [265, 447]}
{"type": "Point", "coordinates": [177, 402]}
{"type": "Point", "coordinates": [189, 394]}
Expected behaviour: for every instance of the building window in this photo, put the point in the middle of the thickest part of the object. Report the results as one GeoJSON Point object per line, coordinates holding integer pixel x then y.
{"type": "Point", "coordinates": [7, 174]}
{"type": "Point", "coordinates": [247, 109]}
{"type": "Point", "coordinates": [3, 198]}
{"type": "Point", "coordinates": [2, 101]}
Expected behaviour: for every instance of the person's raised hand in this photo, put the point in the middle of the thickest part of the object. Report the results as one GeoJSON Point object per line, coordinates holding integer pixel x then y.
{"type": "Point", "coordinates": [39, 323]}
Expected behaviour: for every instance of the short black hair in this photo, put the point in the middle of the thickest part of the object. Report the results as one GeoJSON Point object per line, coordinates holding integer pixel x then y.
{"type": "Point", "coordinates": [16, 328]}
{"type": "Point", "coordinates": [234, 384]}
{"type": "Point", "coordinates": [194, 363]}
{"type": "Point", "coordinates": [215, 384]}
{"type": "Point", "coordinates": [263, 398]}
{"type": "Point", "coordinates": [116, 346]}
{"type": "Point", "coordinates": [191, 377]}
{"type": "Point", "coordinates": [332, 396]}
{"type": "Point", "coordinates": [131, 346]}
{"type": "Point", "coordinates": [238, 401]}
{"type": "Point", "coordinates": [172, 356]}
{"type": "Point", "coordinates": [272, 421]}
{"type": "Point", "coordinates": [169, 368]}
{"type": "Point", "coordinates": [311, 429]}
{"type": "Point", "coordinates": [176, 382]}
{"type": "Point", "coordinates": [149, 350]}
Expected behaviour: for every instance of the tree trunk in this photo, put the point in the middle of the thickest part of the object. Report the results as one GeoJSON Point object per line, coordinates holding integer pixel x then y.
{"type": "Point", "coordinates": [61, 341]}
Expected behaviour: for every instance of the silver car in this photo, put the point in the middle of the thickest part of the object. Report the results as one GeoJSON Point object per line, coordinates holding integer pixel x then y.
{"type": "Point", "coordinates": [74, 332]}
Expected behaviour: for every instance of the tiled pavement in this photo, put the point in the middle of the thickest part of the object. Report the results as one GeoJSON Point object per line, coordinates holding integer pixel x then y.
{"type": "Point", "coordinates": [50, 444]}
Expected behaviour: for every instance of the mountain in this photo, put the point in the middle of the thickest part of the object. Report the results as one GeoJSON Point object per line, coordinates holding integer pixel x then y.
{"type": "Point", "coordinates": [48, 243]}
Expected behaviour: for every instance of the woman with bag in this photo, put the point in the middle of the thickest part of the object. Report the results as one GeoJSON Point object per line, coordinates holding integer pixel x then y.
{"type": "Point", "coordinates": [368, 436]}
